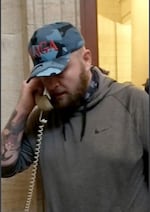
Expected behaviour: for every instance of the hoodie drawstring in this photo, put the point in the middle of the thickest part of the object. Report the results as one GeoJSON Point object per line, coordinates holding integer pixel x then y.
{"type": "Point", "coordinates": [83, 122]}
{"type": "Point", "coordinates": [82, 128]}
{"type": "Point", "coordinates": [94, 84]}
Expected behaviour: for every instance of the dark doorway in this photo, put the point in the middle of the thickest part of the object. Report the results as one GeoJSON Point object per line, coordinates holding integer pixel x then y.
{"type": "Point", "coordinates": [88, 19]}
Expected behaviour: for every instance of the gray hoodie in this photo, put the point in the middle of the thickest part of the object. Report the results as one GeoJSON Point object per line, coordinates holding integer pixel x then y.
{"type": "Point", "coordinates": [107, 169]}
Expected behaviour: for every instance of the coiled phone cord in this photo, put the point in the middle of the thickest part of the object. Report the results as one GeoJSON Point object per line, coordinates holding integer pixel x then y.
{"type": "Point", "coordinates": [35, 163]}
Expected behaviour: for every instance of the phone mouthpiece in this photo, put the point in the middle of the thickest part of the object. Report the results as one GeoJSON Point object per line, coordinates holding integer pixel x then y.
{"type": "Point", "coordinates": [43, 102]}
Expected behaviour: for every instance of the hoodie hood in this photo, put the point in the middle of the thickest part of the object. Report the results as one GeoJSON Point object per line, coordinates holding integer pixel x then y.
{"type": "Point", "coordinates": [104, 86]}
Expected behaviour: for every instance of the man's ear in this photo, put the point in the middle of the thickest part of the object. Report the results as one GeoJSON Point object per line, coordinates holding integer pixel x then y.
{"type": "Point", "coordinates": [87, 57]}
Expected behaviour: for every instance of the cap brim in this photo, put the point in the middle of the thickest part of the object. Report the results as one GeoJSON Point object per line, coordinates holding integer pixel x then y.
{"type": "Point", "coordinates": [49, 68]}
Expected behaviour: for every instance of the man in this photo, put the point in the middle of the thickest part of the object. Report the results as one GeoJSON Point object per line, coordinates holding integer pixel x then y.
{"type": "Point", "coordinates": [96, 135]}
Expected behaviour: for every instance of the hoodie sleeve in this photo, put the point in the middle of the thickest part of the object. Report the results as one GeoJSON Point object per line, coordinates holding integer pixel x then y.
{"type": "Point", "coordinates": [138, 103]}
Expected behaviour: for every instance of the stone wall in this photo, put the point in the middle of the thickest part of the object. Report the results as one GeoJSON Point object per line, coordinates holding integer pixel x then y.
{"type": "Point", "coordinates": [123, 47]}
{"type": "Point", "coordinates": [19, 19]}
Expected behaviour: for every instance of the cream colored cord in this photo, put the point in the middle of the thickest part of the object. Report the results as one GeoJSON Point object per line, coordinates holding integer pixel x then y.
{"type": "Point", "coordinates": [35, 163]}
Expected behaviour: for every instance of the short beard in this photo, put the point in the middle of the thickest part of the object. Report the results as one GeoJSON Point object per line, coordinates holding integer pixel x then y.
{"type": "Point", "coordinates": [76, 99]}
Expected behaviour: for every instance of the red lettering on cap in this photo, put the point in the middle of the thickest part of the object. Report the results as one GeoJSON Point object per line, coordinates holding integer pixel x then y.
{"type": "Point", "coordinates": [53, 45]}
{"type": "Point", "coordinates": [34, 51]}
{"type": "Point", "coordinates": [43, 47]}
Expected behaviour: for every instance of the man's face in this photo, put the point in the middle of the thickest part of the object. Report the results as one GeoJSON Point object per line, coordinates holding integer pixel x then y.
{"type": "Point", "coordinates": [68, 88]}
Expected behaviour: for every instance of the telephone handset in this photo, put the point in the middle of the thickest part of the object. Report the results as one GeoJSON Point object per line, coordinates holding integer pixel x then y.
{"type": "Point", "coordinates": [43, 102]}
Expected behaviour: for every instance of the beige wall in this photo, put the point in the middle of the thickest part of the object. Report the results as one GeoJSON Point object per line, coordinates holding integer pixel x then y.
{"type": "Point", "coordinates": [123, 55]}
{"type": "Point", "coordinates": [125, 10]}
{"type": "Point", "coordinates": [107, 44]}
{"type": "Point", "coordinates": [115, 48]}
{"type": "Point", "coordinates": [140, 38]}
{"type": "Point", "coordinates": [19, 19]}
{"type": "Point", "coordinates": [123, 47]}
{"type": "Point", "coordinates": [110, 9]}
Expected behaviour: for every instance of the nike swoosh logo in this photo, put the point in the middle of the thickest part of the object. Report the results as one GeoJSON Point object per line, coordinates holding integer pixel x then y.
{"type": "Point", "coordinates": [97, 131]}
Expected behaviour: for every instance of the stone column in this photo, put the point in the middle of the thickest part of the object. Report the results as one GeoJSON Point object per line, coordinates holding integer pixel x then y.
{"type": "Point", "coordinates": [139, 21]}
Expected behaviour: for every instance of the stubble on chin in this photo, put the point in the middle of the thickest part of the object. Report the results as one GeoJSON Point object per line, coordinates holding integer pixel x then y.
{"type": "Point", "coordinates": [73, 100]}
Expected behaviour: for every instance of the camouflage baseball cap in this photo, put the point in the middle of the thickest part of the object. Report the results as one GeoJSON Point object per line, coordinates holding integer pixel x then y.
{"type": "Point", "coordinates": [50, 48]}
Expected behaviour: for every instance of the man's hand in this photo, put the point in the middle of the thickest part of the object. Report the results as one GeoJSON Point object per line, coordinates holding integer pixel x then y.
{"type": "Point", "coordinates": [27, 97]}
